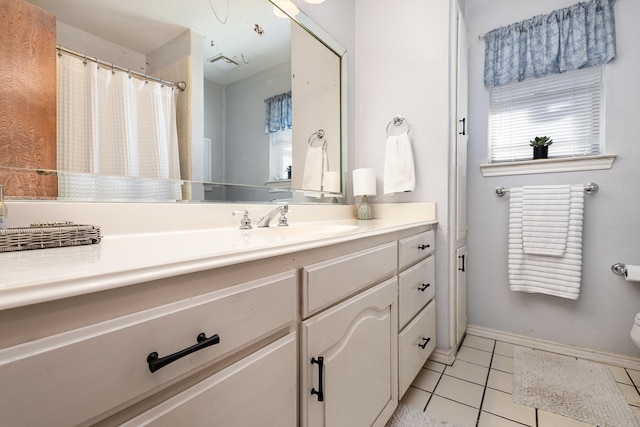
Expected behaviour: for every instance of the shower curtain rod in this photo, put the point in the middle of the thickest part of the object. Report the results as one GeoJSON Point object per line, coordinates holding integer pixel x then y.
{"type": "Point", "coordinates": [182, 85]}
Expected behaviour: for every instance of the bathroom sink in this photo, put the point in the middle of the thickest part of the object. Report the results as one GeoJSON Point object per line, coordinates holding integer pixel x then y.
{"type": "Point", "coordinates": [303, 230]}
{"type": "Point", "coordinates": [227, 240]}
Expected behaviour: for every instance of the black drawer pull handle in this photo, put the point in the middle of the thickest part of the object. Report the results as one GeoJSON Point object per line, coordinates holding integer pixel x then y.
{"type": "Point", "coordinates": [424, 287]}
{"type": "Point", "coordinates": [156, 362]}
{"type": "Point", "coordinates": [320, 392]}
{"type": "Point", "coordinates": [424, 344]}
{"type": "Point", "coordinates": [423, 247]}
{"type": "Point", "coordinates": [462, 257]}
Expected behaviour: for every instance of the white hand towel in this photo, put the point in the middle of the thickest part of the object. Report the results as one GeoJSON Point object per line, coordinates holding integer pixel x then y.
{"type": "Point", "coordinates": [399, 168]}
{"type": "Point", "coordinates": [558, 276]}
{"type": "Point", "coordinates": [545, 208]}
{"type": "Point", "coordinates": [315, 166]}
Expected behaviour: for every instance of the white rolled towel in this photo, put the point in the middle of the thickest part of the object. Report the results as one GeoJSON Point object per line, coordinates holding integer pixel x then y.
{"type": "Point", "coordinates": [632, 273]}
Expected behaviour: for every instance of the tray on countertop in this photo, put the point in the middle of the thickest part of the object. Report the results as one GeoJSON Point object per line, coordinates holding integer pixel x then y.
{"type": "Point", "coordinates": [48, 235]}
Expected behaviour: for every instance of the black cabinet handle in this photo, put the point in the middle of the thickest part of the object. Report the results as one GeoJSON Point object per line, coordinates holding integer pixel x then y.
{"type": "Point", "coordinates": [424, 287]}
{"type": "Point", "coordinates": [463, 121]}
{"type": "Point", "coordinates": [462, 258]}
{"type": "Point", "coordinates": [424, 344]}
{"type": "Point", "coordinates": [320, 392]}
{"type": "Point", "coordinates": [156, 362]}
{"type": "Point", "coordinates": [423, 247]}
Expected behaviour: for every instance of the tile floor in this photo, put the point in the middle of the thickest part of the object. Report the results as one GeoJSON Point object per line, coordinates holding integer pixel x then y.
{"type": "Point", "coordinates": [476, 389]}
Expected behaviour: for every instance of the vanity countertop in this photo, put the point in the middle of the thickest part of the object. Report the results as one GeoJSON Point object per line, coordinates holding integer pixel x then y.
{"type": "Point", "coordinates": [34, 276]}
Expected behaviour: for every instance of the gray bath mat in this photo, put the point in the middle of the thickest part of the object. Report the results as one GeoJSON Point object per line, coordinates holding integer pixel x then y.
{"type": "Point", "coordinates": [577, 389]}
{"type": "Point", "coordinates": [407, 416]}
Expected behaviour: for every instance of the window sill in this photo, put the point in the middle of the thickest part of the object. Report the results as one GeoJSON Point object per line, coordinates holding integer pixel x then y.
{"type": "Point", "coordinates": [279, 185]}
{"type": "Point", "coordinates": [569, 164]}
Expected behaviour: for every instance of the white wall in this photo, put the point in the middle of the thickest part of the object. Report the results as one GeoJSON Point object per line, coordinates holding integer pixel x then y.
{"type": "Point", "coordinates": [602, 317]}
{"type": "Point", "coordinates": [246, 144]}
{"type": "Point", "coordinates": [402, 67]}
{"type": "Point", "coordinates": [394, 68]}
{"type": "Point", "coordinates": [337, 18]}
{"type": "Point", "coordinates": [214, 127]}
{"type": "Point", "coordinates": [91, 45]}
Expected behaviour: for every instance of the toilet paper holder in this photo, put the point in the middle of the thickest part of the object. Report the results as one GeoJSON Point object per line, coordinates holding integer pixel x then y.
{"type": "Point", "coordinates": [619, 268]}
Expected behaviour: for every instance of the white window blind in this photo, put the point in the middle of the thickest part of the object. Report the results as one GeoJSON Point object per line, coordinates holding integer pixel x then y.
{"type": "Point", "coordinates": [280, 153]}
{"type": "Point", "coordinates": [565, 107]}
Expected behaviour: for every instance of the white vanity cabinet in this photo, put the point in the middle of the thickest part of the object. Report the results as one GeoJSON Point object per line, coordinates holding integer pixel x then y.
{"type": "Point", "coordinates": [348, 351]}
{"type": "Point", "coordinates": [365, 335]}
{"type": "Point", "coordinates": [330, 335]}
{"type": "Point", "coordinates": [416, 307]}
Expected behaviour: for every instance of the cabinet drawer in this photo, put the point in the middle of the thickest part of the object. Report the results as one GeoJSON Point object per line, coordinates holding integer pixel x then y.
{"type": "Point", "coordinates": [77, 375]}
{"type": "Point", "coordinates": [416, 289]}
{"type": "Point", "coordinates": [259, 390]}
{"type": "Point", "coordinates": [420, 332]}
{"type": "Point", "coordinates": [415, 248]}
{"type": "Point", "coordinates": [329, 281]}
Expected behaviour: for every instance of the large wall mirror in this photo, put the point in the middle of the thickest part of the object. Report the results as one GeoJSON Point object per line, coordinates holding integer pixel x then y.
{"type": "Point", "coordinates": [261, 119]}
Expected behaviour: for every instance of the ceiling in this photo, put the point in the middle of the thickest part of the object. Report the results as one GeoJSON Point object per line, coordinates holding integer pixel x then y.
{"type": "Point", "coordinates": [251, 33]}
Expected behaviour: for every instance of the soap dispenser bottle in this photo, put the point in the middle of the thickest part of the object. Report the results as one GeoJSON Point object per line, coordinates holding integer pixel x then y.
{"type": "Point", "coordinates": [4, 212]}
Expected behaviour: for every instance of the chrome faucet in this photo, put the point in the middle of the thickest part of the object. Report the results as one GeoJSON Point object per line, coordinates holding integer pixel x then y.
{"type": "Point", "coordinates": [282, 221]}
{"type": "Point", "coordinates": [245, 222]}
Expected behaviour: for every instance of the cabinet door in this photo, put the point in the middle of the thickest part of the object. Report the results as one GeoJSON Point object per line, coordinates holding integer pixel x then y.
{"type": "Point", "coordinates": [463, 134]}
{"type": "Point", "coordinates": [357, 341]}
{"type": "Point", "coordinates": [461, 294]}
{"type": "Point", "coordinates": [259, 390]}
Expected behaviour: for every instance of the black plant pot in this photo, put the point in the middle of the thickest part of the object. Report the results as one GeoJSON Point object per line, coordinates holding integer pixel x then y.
{"type": "Point", "coordinates": [540, 152]}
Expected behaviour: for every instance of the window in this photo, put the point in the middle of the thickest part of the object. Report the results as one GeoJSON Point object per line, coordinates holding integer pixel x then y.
{"type": "Point", "coordinates": [566, 107]}
{"type": "Point", "coordinates": [280, 154]}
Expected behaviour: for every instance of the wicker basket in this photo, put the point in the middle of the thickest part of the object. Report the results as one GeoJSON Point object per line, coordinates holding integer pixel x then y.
{"type": "Point", "coordinates": [50, 235]}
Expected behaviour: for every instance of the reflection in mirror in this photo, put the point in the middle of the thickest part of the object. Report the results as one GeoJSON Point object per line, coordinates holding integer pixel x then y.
{"type": "Point", "coordinates": [233, 60]}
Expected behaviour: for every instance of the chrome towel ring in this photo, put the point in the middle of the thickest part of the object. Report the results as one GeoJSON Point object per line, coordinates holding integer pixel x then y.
{"type": "Point", "coordinates": [398, 121]}
{"type": "Point", "coordinates": [319, 135]}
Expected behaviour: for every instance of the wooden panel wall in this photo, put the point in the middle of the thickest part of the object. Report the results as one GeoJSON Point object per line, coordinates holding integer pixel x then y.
{"type": "Point", "coordinates": [27, 100]}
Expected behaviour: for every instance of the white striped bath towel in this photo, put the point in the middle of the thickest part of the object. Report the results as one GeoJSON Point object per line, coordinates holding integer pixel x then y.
{"type": "Point", "coordinates": [545, 219]}
{"type": "Point", "coordinates": [552, 275]}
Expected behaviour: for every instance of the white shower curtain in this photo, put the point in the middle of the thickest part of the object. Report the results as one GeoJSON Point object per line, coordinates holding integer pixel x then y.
{"type": "Point", "coordinates": [112, 127]}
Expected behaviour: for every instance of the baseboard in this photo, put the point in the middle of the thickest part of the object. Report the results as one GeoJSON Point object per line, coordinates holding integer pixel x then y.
{"type": "Point", "coordinates": [621, 360]}
{"type": "Point", "coordinates": [443, 356]}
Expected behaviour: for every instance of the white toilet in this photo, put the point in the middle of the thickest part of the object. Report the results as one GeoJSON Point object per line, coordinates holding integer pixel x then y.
{"type": "Point", "coordinates": [635, 330]}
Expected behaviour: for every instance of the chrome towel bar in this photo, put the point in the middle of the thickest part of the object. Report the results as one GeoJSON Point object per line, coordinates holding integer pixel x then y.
{"type": "Point", "coordinates": [590, 188]}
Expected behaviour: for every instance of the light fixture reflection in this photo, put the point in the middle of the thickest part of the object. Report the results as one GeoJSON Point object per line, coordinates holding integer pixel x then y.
{"type": "Point", "coordinates": [286, 6]}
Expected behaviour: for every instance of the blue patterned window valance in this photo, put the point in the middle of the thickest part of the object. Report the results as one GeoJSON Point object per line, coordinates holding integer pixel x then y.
{"type": "Point", "coordinates": [278, 113]}
{"type": "Point", "coordinates": [579, 36]}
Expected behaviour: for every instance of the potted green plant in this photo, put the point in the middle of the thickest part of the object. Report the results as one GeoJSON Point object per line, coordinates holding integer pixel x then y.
{"type": "Point", "coordinates": [288, 169]}
{"type": "Point", "coordinates": [540, 146]}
